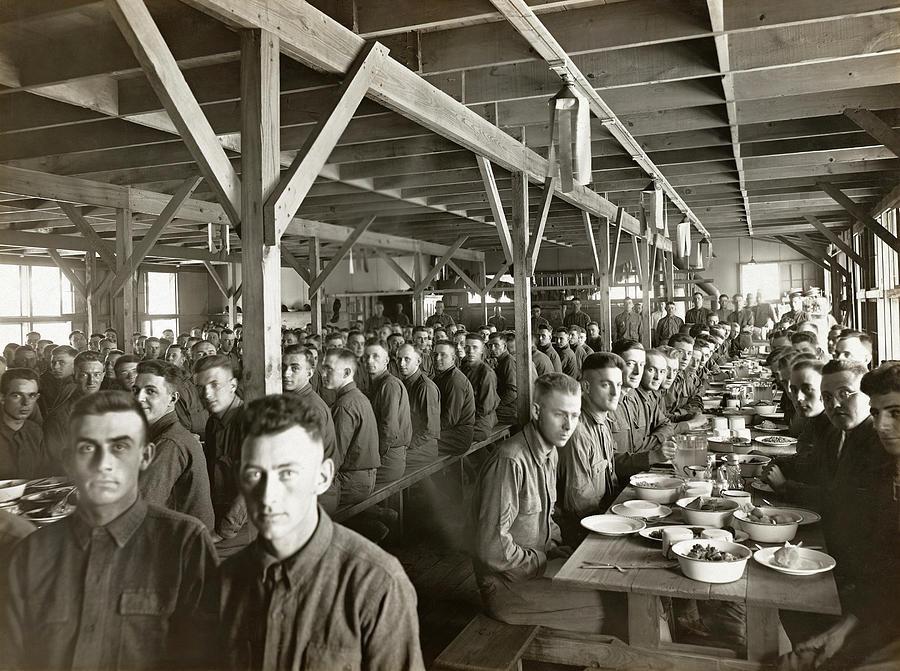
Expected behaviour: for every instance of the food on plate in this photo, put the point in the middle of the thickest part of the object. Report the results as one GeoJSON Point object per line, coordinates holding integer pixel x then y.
{"type": "Point", "coordinates": [770, 426]}
{"type": "Point", "coordinates": [778, 440]}
{"type": "Point", "coordinates": [757, 515]}
{"type": "Point", "coordinates": [656, 534]}
{"type": "Point", "coordinates": [709, 504]}
{"type": "Point", "coordinates": [652, 484]}
{"type": "Point", "coordinates": [788, 557]}
{"type": "Point", "coordinates": [710, 553]}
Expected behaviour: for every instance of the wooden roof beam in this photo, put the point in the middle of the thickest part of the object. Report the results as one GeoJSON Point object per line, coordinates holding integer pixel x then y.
{"type": "Point", "coordinates": [835, 240]}
{"type": "Point", "coordinates": [862, 215]}
{"type": "Point", "coordinates": [319, 279]}
{"type": "Point", "coordinates": [876, 127]}
{"type": "Point", "coordinates": [493, 198]}
{"type": "Point", "coordinates": [819, 260]}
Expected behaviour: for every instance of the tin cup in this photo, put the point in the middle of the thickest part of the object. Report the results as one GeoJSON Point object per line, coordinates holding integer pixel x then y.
{"type": "Point", "coordinates": [717, 535]}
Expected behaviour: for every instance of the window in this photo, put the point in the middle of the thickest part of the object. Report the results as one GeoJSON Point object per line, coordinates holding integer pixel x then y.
{"type": "Point", "coordinates": [162, 303]}
{"type": "Point", "coordinates": [51, 292]}
{"type": "Point", "coordinates": [761, 277]}
{"type": "Point", "coordinates": [35, 298]}
{"type": "Point", "coordinates": [11, 333]}
{"type": "Point", "coordinates": [11, 296]}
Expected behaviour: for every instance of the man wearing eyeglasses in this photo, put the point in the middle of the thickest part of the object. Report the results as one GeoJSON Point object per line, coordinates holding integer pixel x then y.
{"type": "Point", "coordinates": [89, 371]}
{"type": "Point", "coordinates": [20, 439]}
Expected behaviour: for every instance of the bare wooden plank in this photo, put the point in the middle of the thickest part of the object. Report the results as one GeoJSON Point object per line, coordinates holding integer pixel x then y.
{"type": "Point", "coordinates": [592, 243]}
{"type": "Point", "coordinates": [161, 68]}
{"type": "Point", "coordinates": [220, 285]}
{"type": "Point", "coordinates": [522, 294]}
{"type": "Point", "coordinates": [861, 214]}
{"type": "Point", "coordinates": [876, 127]}
{"type": "Point", "coordinates": [493, 196]}
{"type": "Point", "coordinates": [432, 273]}
{"type": "Point", "coordinates": [74, 215]}
{"type": "Point", "coordinates": [340, 254]}
{"type": "Point", "coordinates": [125, 303]}
{"type": "Point", "coordinates": [315, 299]}
{"type": "Point", "coordinates": [393, 265]}
{"type": "Point", "coordinates": [534, 247]}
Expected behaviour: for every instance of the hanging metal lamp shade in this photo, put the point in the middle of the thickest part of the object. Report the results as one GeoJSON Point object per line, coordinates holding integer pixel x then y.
{"type": "Point", "coordinates": [570, 144]}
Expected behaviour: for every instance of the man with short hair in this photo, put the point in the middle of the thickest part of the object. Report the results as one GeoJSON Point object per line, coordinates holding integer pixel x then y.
{"type": "Point", "coordinates": [724, 311]}
{"type": "Point", "coordinates": [742, 314]}
{"type": "Point", "coordinates": [567, 359]}
{"type": "Point", "coordinates": [217, 388]}
{"type": "Point", "coordinates": [356, 430]}
{"type": "Point", "coordinates": [297, 366]}
{"type": "Point", "coordinates": [587, 482]}
{"type": "Point", "coordinates": [576, 317]}
{"type": "Point", "coordinates": [507, 383]}
{"type": "Point", "coordinates": [439, 318]}
{"type": "Point", "coordinates": [120, 583]}
{"type": "Point", "coordinates": [21, 455]}
{"type": "Point", "coordinates": [516, 539]}
{"type": "Point", "coordinates": [401, 318]}
{"type": "Point", "coordinates": [668, 325]}
{"type": "Point", "coordinates": [593, 340]}
{"type": "Point", "coordinates": [545, 346]}
{"type": "Point", "coordinates": [202, 349]}
{"type": "Point", "coordinates": [805, 342]}
{"type": "Point", "coordinates": [536, 320]}
{"type": "Point", "coordinates": [484, 386]}
{"type": "Point", "coordinates": [542, 363]}
{"type": "Point", "coordinates": [152, 348]}
{"type": "Point", "coordinates": [698, 314]}
{"type": "Point", "coordinates": [32, 338]}
{"type": "Point", "coordinates": [308, 593]}
{"type": "Point", "coordinates": [176, 477]}
{"type": "Point", "coordinates": [627, 324]}
{"type": "Point", "coordinates": [377, 320]}
{"type": "Point", "coordinates": [78, 341]}
{"type": "Point", "coordinates": [577, 344]}
{"type": "Point", "coordinates": [390, 403]}
{"type": "Point", "coordinates": [497, 320]}
{"type": "Point", "coordinates": [457, 401]}
{"type": "Point", "coordinates": [424, 408]}
{"type": "Point", "coordinates": [112, 335]}
{"type": "Point", "coordinates": [854, 346]}
{"type": "Point", "coordinates": [58, 383]}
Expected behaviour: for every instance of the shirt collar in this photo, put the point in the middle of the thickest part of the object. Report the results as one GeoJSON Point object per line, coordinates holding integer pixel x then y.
{"type": "Point", "coordinates": [303, 562]}
{"type": "Point", "coordinates": [540, 449]}
{"type": "Point", "coordinates": [121, 529]}
{"type": "Point", "coordinates": [163, 423]}
{"type": "Point", "coordinates": [229, 415]}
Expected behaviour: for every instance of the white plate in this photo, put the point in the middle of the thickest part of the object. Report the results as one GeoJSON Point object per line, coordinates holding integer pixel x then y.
{"type": "Point", "coordinates": [809, 516]}
{"type": "Point", "coordinates": [624, 511]}
{"type": "Point", "coordinates": [777, 429]}
{"type": "Point", "coordinates": [739, 536]}
{"type": "Point", "coordinates": [818, 562]}
{"type": "Point", "coordinates": [761, 486]}
{"type": "Point", "coordinates": [772, 415]}
{"type": "Point", "coordinates": [612, 525]}
{"type": "Point", "coordinates": [776, 441]}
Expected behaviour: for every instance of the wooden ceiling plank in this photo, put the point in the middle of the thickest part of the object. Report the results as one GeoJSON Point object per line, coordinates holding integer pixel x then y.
{"type": "Point", "coordinates": [161, 68]}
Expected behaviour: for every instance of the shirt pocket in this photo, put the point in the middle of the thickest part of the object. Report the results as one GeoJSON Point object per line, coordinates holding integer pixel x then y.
{"type": "Point", "coordinates": [318, 657]}
{"type": "Point", "coordinates": [145, 617]}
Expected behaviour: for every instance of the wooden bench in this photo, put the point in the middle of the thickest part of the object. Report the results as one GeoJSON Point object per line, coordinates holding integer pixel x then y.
{"type": "Point", "coordinates": [398, 487]}
{"type": "Point", "coordinates": [487, 645]}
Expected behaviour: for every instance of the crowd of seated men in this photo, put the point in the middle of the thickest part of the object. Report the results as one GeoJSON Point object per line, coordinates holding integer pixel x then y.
{"type": "Point", "coordinates": [202, 537]}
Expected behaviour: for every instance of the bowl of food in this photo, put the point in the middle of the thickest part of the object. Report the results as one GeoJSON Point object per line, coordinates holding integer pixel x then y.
{"type": "Point", "coordinates": [769, 525]}
{"type": "Point", "coordinates": [11, 489]}
{"type": "Point", "coordinates": [764, 408]}
{"type": "Point", "coordinates": [714, 561]}
{"type": "Point", "coordinates": [752, 465]}
{"type": "Point", "coordinates": [656, 487]}
{"type": "Point", "coordinates": [709, 511]}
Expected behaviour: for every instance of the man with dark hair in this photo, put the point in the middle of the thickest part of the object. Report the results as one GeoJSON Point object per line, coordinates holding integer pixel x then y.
{"type": "Point", "coordinates": [356, 430]}
{"type": "Point", "coordinates": [567, 359]}
{"type": "Point", "coordinates": [120, 583]}
{"type": "Point", "coordinates": [668, 325]}
{"type": "Point", "coordinates": [58, 383]}
{"type": "Point", "coordinates": [125, 369]}
{"type": "Point", "coordinates": [497, 320]}
{"type": "Point", "coordinates": [575, 316]}
{"type": "Point", "coordinates": [854, 345]}
{"type": "Point", "coordinates": [21, 455]}
{"type": "Point", "coordinates": [627, 324]}
{"type": "Point", "coordinates": [297, 366]}
{"type": "Point", "coordinates": [542, 363]}
{"type": "Point", "coordinates": [698, 314]}
{"type": "Point", "coordinates": [217, 388]}
{"type": "Point", "coordinates": [25, 357]}
{"type": "Point", "coordinates": [484, 386]}
{"type": "Point", "coordinates": [587, 482]}
{"type": "Point", "coordinates": [177, 476]}
{"type": "Point", "coordinates": [308, 593]}
{"type": "Point", "coordinates": [424, 408]}
{"type": "Point", "coordinates": [545, 346]}
{"type": "Point", "coordinates": [377, 320]}
{"type": "Point", "coordinates": [805, 342]}
{"type": "Point", "coordinates": [742, 314]}
{"type": "Point", "coordinates": [202, 349]}
{"type": "Point", "coordinates": [190, 411]}
{"type": "Point", "coordinates": [78, 341]}
{"type": "Point", "coordinates": [516, 539]}
{"type": "Point", "coordinates": [457, 401]}
{"type": "Point", "coordinates": [505, 370]}
{"type": "Point", "coordinates": [439, 318]}
{"type": "Point", "coordinates": [390, 403]}
{"type": "Point", "coordinates": [593, 340]}
{"type": "Point", "coordinates": [152, 348]}
{"type": "Point", "coordinates": [537, 321]}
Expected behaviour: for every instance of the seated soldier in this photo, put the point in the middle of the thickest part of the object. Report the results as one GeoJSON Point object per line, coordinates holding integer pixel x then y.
{"type": "Point", "coordinates": [177, 477]}
{"type": "Point", "coordinates": [57, 383]}
{"type": "Point", "coordinates": [355, 428]}
{"type": "Point", "coordinates": [308, 594]}
{"type": "Point", "coordinates": [21, 451]}
{"type": "Point", "coordinates": [545, 346]}
{"type": "Point", "coordinates": [121, 583]}
{"type": "Point", "coordinates": [568, 360]}
{"type": "Point", "coordinates": [424, 408]}
{"type": "Point", "coordinates": [390, 403]}
{"type": "Point", "coordinates": [457, 401]}
{"type": "Point", "coordinates": [515, 539]}
{"type": "Point", "coordinates": [484, 386]}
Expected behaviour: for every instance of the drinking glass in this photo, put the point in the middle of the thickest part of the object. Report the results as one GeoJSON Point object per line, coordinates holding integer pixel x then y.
{"type": "Point", "coordinates": [689, 451]}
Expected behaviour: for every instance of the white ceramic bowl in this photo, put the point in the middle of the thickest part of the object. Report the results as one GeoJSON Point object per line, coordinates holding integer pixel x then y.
{"type": "Point", "coordinates": [766, 532]}
{"type": "Point", "coordinates": [752, 465]}
{"type": "Point", "coordinates": [764, 409]}
{"type": "Point", "coordinates": [712, 571]}
{"type": "Point", "coordinates": [11, 489]}
{"type": "Point", "coordinates": [656, 488]}
{"type": "Point", "coordinates": [708, 518]}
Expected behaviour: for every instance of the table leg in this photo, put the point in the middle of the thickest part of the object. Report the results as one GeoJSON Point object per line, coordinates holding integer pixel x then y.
{"type": "Point", "coordinates": [644, 614]}
{"type": "Point", "coordinates": [762, 633]}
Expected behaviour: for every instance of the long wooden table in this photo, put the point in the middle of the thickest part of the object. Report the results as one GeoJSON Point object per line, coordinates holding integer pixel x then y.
{"type": "Point", "coordinates": [763, 591]}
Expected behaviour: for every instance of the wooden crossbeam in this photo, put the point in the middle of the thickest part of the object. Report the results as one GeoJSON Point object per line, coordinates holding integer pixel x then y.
{"type": "Point", "coordinates": [496, 278]}
{"type": "Point", "coordinates": [237, 292]}
{"type": "Point", "coordinates": [292, 261]}
{"type": "Point", "coordinates": [71, 276]}
{"type": "Point", "coordinates": [534, 247]}
{"type": "Point", "coordinates": [637, 260]}
{"type": "Point", "coordinates": [393, 265]}
{"type": "Point", "coordinates": [151, 236]}
{"type": "Point", "coordinates": [876, 127]}
{"type": "Point", "coordinates": [284, 202]}
{"type": "Point", "coordinates": [162, 71]}
{"type": "Point", "coordinates": [341, 253]}
{"type": "Point", "coordinates": [819, 261]}
{"type": "Point", "coordinates": [589, 234]}
{"type": "Point", "coordinates": [74, 215]}
{"type": "Point", "coordinates": [834, 239]}
{"type": "Point", "coordinates": [493, 196]}
{"type": "Point", "coordinates": [216, 279]}
{"type": "Point", "coordinates": [464, 276]}
{"type": "Point", "coordinates": [431, 274]}
{"type": "Point", "coordinates": [867, 220]}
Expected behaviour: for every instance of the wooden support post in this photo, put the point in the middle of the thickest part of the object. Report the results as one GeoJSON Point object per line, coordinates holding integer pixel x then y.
{"type": "Point", "coordinates": [646, 285]}
{"type": "Point", "coordinates": [522, 299]}
{"type": "Point", "coordinates": [125, 303]}
{"type": "Point", "coordinates": [319, 279]}
{"type": "Point", "coordinates": [90, 272]}
{"type": "Point", "coordinates": [418, 300]}
{"type": "Point", "coordinates": [315, 299]}
{"type": "Point", "coordinates": [864, 217]}
{"type": "Point", "coordinates": [230, 275]}
{"type": "Point", "coordinates": [605, 320]}
{"type": "Point", "coordinates": [260, 167]}
{"type": "Point", "coordinates": [482, 280]}
{"type": "Point", "coordinates": [669, 274]}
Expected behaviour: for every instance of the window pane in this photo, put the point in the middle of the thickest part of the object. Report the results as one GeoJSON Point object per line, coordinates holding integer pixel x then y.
{"type": "Point", "coordinates": [11, 333]}
{"type": "Point", "coordinates": [68, 295]}
{"type": "Point", "coordinates": [58, 332]}
{"type": "Point", "coordinates": [10, 296]}
{"type": "Point", "coordinates": [161, 296]}
{"type": "Point", "coordinates": [157, 326]}
{"type": "Point", "coordinates": [762, 277]}
{"type": "Point", "coordinates": [45, 291]}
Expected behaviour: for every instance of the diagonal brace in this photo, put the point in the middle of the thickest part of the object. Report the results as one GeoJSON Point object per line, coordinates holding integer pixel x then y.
{"type": "Point", "coordinates": [71, 276]}
{"type": "Point", "coordinates": [410, 282]}
{"type": "Point", "coordinates": [493, 196]}
{"type": "Point", "coordinates": [74, 215]}
{"type": "Point", "coordinates": [216, 279]}
{"type": "Point", "coordinates": [835, 240]}
{"type": "Point", "coordinates": [319, 279]}
{"type": "Point", "coordinates": [867, 220]}
{"type": "Point", "coordinates": [441, 263]}
{"type": "Point", "coordinates": [490, 286]}
{"type": "Point", "coordinates": [292, 261]}
{"type": "Point", "coordinates": [534, 247]}
{"type": "Point", "coordinates": [464, 276]}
